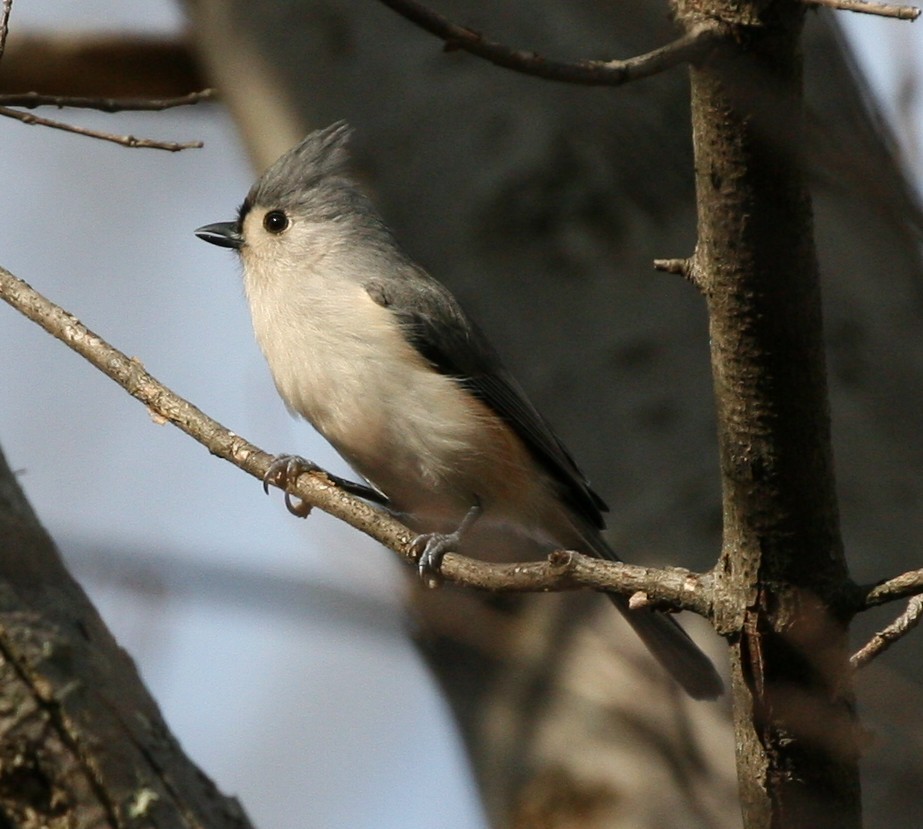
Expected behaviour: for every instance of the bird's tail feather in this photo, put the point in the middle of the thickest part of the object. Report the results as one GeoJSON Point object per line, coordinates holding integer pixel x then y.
{"type": "Point", "coordinates": [674, 649]}
{"type": "Point", "coordinates": [663, 636]}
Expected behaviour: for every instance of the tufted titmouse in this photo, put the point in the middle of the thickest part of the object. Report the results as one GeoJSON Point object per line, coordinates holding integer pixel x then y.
{"type": "Point", "coordinates": [381, 359]}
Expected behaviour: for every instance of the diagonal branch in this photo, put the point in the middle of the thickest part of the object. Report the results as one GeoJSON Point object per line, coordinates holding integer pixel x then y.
{"type": "Point", "coordinates": [31, 100]}
{"type": "Point", "coordinates": [900, 587]}
{"type": "Point", "coordinates": [883, 640]}
{"type": "Point", "coordinates": [563, 570]}
{"type": "Point", "coordinates": [688, 48]}
{"type": "Point", "coordinates": [123, 140]}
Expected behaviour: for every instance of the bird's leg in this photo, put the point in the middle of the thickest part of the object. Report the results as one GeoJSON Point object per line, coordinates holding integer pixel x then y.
{"type": "Point", "coordinates": [285, 469]}
{"type": "Point", "coordinates": [431, 548]}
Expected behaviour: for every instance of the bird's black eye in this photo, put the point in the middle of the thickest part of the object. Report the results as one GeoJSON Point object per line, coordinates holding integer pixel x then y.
{"type": "Point", "coordinates": [275, 221]}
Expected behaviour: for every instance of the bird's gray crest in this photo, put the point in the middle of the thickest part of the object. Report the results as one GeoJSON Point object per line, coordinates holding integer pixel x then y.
{"type": "Point", "coordinates": [294, 179]}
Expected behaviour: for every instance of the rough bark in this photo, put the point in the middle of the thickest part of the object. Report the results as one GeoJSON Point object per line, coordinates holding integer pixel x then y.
{"type": "Point", "coordinates": [782, 570]}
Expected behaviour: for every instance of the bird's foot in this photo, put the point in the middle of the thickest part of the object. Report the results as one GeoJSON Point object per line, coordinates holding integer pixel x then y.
{"type": "Point", "coordinates": [285, 469]}
{"type": "Point", "coordinates": [283, 472]}
{"type": "Point", "coordinates": [431, 548]}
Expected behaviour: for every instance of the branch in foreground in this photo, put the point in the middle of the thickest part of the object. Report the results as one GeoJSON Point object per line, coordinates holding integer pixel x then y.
{"type": "Point", "coordinates": [123, 140]}
{"type": "Point", "coordinates": [685, 49]}
{"type": "Point", "coordinates": [31, 100]}
{"type": "Point", "coordinates": [563, 570]}
{"type": "Point", "coordinates": [883, 640]}
{"type": "Point", "coordinates": [863, 7]}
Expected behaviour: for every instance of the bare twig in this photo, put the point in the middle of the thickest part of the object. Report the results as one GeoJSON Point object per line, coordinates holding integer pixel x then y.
{"type": "Point", "coordinates": [900, 587]}
{"type": "Point", "coordinates": [5, 10]}
{"type": "Point", "coordinates": [123, 140]}
{"type": "Point", "coordinates": [863, 7]}
{"type": "Point", "coordinates": [883, 640]}
{"type": "Point", "coordinates": [31, 100]}
{"type": "Point", "coordinates": [686, 49]}
{"type": "Point", "coordinates": [562, 570]}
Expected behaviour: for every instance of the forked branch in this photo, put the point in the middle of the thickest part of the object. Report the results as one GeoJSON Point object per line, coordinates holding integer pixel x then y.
{"type": "Point", "coordinates": [688, 48]}
{"type": "Point", "coordinates": [31, 100]}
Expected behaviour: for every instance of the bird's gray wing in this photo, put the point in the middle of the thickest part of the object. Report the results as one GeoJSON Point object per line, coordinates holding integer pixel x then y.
{"type": "Point", "coordinates": [448, 340]}
{"type": "Point", "coordinates": [454, 346]}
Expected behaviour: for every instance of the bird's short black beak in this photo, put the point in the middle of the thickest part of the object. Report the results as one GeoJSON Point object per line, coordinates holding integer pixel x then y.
{"type": "Point", "coordinates": [223, 234]}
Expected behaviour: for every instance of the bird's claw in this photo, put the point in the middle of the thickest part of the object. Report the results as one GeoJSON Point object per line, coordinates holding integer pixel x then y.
{"type": "Point", "coordinates": [283, 472]}
{"type": "Point", "coordinates": [430, 549]}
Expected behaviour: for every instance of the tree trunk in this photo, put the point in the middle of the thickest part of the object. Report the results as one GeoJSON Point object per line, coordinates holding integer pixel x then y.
{"type": "Point", "coordinates": [82, 743]}
{"type": "Point", "coordinates": [782, 567]}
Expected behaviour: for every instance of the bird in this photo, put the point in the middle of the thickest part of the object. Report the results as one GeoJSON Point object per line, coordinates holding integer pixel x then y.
{"type": "Point", "coordinates": [383, 361]}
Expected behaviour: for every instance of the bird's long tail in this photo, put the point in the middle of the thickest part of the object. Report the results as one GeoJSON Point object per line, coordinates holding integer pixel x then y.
{"type": "Point", "coordinates": [664, 636]}
{"type": "Point", "coordinates": [674, 649]}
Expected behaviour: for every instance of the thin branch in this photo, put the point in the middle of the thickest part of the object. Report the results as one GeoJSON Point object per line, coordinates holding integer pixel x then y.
{"type": "Point", "coordinates": [883, 640]}
{"type": "Point", "coordinates": [863, 7]}
{"type": "Point", "coordinates": [563, 570]}
{"type": "Point", "coordinates": [123, 140]}
{"type": "Point", "coordinates": [5, 10]}
{"type": "Point", "coordinates": [672, 587]}
{"type": "Point", "coordinates": [31, 100]}
{"type": "Point", "coordinates": [686, 49]}
{"type": "Point", "coordinates": [900, 587]}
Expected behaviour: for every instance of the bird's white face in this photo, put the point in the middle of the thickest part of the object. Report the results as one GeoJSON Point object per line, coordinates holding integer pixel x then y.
{"type": "Point", "coordinates": [285, 240]}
